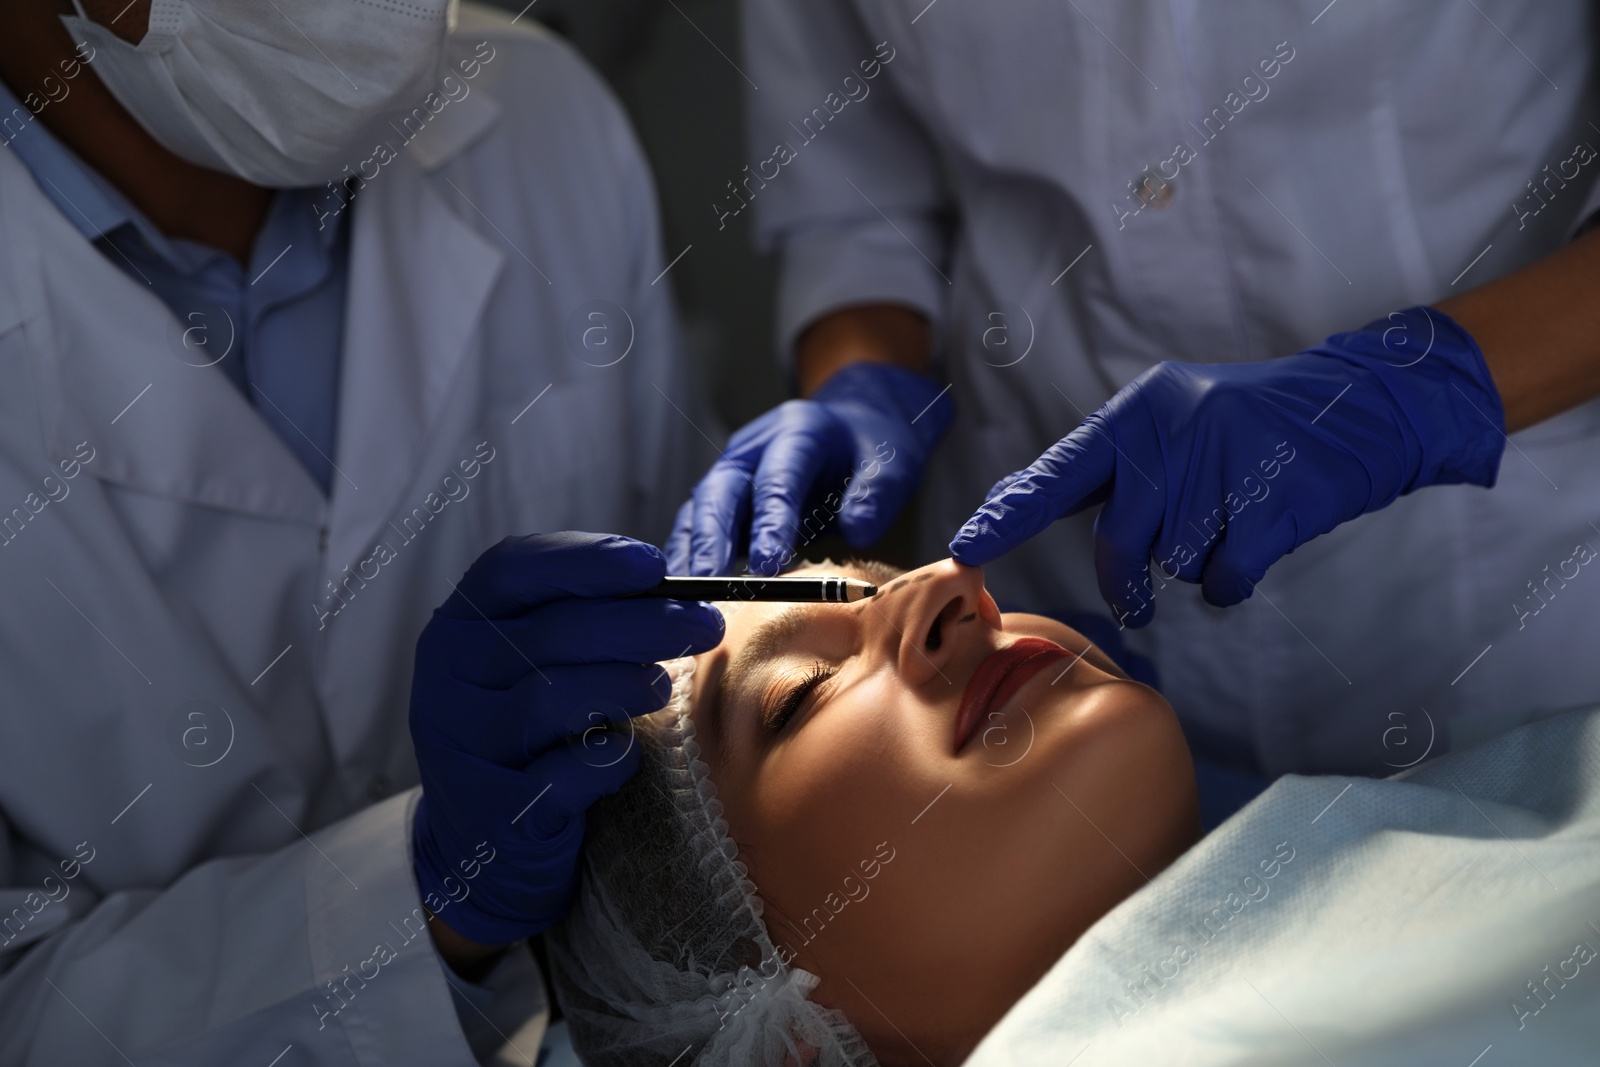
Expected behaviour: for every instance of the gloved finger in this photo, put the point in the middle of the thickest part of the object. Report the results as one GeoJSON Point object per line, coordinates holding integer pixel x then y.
{"type": "Point", "coordinates": [1073, 473]}
{"type": "Point", "coordinates": [521, 573]}
{"type": "Point", "coordinates": [544, 708]}
{"type": "Point", "coordinates": [999, 487]}
{"type": "Point", "coordinates": [677, 550]}
{"type": "Point", "coordinates": [870, 506]}
{"type": "Point", "coordinates": [789, 467]}
{"type": "Point", "coordinates": [495, 654]}
{"type": "Point", "coordinates": [1244, 556]}
{"type": "Point", "coordinates": [1187, 540]}
{"type": "Point", "coordinates": [1124, 535]}
{"type": "Point", "coordinates": [513, 808]}
{"type": "Point", "coordinates": [577, 775]}
{"type": "Point", "coordinates": [563, 703]}
{"type": "Point", "coordinates": [721, 504]}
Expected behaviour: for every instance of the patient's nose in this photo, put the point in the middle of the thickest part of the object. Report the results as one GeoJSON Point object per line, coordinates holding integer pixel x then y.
{"type": "Point", "coordinates": [926, 616]}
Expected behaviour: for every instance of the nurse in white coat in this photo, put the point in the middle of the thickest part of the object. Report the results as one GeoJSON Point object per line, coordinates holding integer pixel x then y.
{"type": "Point", "coordinates": [206, 780]}
{"type": "Point", "coordinates": [1039, 202]}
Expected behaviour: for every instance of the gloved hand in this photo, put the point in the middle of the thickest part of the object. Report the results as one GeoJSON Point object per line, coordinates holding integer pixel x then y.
{"type": "Point", "coordinates": [1218, 470]}
{"type": "Point", "coordinates": [517, 677]}
{"type": "Point", "coordinates": [785, 472]}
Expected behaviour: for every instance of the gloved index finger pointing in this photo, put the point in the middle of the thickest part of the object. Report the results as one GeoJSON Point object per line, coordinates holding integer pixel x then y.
{"type": "Point", "coordinates": [1072, 474]}
{"type": "Point", "coordinates": [522, 573]}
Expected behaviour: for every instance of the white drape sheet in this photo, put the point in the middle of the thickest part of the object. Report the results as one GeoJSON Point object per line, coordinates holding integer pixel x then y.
{"type": "Point", "coordinates": [1449, 913]}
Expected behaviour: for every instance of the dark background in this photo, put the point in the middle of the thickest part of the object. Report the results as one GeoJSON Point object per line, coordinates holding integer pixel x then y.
{"type": "Point", "coordinates": [687, 105]}
{"type": "Point", "coordinates": [671, 63]}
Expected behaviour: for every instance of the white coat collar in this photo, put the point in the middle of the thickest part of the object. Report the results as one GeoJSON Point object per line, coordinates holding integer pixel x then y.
{"type": "Point", "coordinates": [457, 125]}
{"type": "Point", "coordinates": [420, 282]}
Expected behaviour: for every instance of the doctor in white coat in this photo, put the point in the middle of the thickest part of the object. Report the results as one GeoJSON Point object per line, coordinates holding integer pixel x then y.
{"type": "Point", "coordinates": [211, 589]}
{"type": "Point", "coordinates": [1032, 205]}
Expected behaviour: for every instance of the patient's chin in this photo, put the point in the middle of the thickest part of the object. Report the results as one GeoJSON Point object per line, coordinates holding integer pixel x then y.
{"type": "Point", "coordinates": [1110, 783]}
{"type": "Point", "coordinates": [1117, 785]}
{"type": "Point", "coordinates": [1144, 779]}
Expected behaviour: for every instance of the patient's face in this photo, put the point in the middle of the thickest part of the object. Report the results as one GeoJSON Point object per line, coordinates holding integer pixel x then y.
{"type": "Point", "coordinates": [935, 799]}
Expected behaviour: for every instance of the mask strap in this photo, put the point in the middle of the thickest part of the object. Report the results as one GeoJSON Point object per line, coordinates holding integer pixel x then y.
{"type": "Point", "coordinates": [166, 20]}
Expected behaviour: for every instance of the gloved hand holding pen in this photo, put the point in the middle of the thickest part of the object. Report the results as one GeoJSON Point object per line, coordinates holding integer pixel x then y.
{"type": "Point", "coordinates": [522, 681]}
{"type": "Point", "coordinates": [1364, 417]}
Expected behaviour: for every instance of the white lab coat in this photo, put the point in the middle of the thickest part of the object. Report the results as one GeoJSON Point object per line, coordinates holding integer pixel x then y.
{"type": "Point", "coordinates": [182, 702]}
{"type": "Point", "coordinates": [1383, 164]}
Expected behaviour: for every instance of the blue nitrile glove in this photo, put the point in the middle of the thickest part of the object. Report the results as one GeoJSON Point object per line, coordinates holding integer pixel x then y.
{"type": "Point", "coordinates": [1215, 471]}
{"type": "Point", "coordinates": [517, 677]}
{"type": "Point", "coordinates": [786, 472]}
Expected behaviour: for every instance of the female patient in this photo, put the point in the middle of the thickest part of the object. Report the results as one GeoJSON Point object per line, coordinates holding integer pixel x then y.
{"type": "Point", "coordinates": [862, 832]}
{"type": "Point", "coordinates": [914, 770]}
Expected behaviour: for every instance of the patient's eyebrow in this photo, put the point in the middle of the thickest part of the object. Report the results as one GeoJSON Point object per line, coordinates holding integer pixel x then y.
{"type": "Point", "coordinates": [766, 641]}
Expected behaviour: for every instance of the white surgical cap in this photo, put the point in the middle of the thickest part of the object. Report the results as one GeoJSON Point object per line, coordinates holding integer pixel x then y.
{"type": "Point", "coordinates": [663, 957]}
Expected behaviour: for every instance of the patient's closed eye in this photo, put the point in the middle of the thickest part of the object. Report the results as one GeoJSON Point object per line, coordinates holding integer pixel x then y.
{"type": "Point", "coordinates": [776, 717]}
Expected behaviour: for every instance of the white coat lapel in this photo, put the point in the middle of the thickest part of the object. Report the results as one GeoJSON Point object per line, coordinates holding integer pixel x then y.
{"type": "Point", "coordinates": [107, 354]}
{"type": "Point", "coordinates": [420, 280]}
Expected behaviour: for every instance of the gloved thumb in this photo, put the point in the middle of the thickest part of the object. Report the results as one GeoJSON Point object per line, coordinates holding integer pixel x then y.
{"type": "Point", "coordinates": [579, 773]}
{"type": "Point", "coordinates": [1124, 537]}
{"type": "Point", "coordinates": [793, 465]}
{"type": "Point", "coordinates": [1242, 559]}
{"type": "Point", "coordinates": [679, 544]}
{"type": "Point", "coordinates": [872, 503]}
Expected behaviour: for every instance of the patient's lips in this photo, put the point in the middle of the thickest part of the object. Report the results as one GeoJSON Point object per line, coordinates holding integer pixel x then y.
{"type": "Point", "coordinates": [998, 678]}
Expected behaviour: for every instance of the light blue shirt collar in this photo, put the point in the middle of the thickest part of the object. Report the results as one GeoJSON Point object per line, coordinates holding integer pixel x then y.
{"type": "Point", "coordinates": [286, 301]}
{"type": "Point", "coordinates": [89, 201]}
{"type": "Point", "coordinates": [95, 206]}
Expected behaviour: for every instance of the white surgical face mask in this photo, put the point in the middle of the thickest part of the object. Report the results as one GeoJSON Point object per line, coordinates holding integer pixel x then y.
{"type": "Point", "coordinates": [281, 94]}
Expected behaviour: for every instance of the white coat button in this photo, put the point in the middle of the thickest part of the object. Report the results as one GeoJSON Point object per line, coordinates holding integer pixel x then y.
{"type": "Point", "coordinates": [378, 786]}
{"type": "Point", "coordinates": [1153, 192]}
